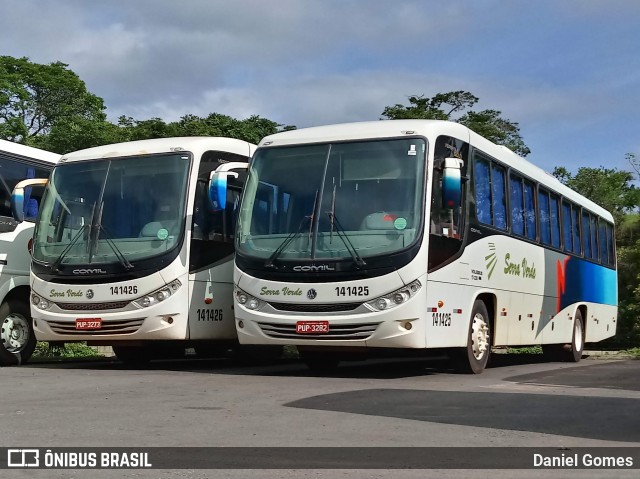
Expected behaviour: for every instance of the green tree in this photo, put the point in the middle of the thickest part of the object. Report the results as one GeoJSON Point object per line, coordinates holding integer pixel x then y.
{"type": "Point", "coordinates": [628, 331]}
{"type": "Point", "coordinates": [34, 98]}
{"type": "Point", "coordinates": [251, 129]}
{"type": "Point", "coordinates": [611, 188]}
{"type": "Point", "coordinates": [448, 106]}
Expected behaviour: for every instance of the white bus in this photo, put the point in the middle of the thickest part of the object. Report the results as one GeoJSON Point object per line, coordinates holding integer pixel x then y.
{"type": "Point", "coordinates": [416, 235]}
{"type": "Point", "coordinates": [18, 162]}
{"type": "Point", "coordinates": [129, 253]}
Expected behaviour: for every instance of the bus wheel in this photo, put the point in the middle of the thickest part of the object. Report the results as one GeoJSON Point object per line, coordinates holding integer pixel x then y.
{"type": "Point", "coordinates": [474, 358]}
{"type": "Point", "coordinates": [18, 338]}
{"type": "Point", "coordinates": [133, 355]}
{"type": "Point", "coordinates": [573, 352]}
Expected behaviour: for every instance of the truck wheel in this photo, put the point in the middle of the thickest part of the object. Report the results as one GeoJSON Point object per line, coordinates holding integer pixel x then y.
{"type": "Point", "coordinates": [573, 352]}
{"type": "Point", "coordinates": [474, 358]}
{"type": "Point", "coordinates": [18, 338]}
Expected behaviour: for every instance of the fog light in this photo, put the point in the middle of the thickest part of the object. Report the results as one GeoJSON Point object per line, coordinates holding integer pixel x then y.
{"type": "Point", "coordinates": [170, 320]}
{"type": "Point", "coordinates": [408, 326]}
{"type": "Point", "coordinates": [240, 324]}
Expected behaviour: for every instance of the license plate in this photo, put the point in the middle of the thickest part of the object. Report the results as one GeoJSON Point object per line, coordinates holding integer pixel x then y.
{"type": "Point", "coordinates": [89, 323]}
{"type": "Point", "coordinates": [312, 327]}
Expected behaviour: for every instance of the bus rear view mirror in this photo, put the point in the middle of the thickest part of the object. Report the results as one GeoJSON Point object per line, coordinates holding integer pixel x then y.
{"type": "Point", "coordinates": [22, 204]}
{"type": "Point", "coordinates": [218, 184]}
{"type": "Point", "coordinates": [452, 182]}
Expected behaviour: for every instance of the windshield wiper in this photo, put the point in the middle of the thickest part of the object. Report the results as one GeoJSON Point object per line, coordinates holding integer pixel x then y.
{"type": "Point", "coordinates": [56, 264]}
{"type": "Point", "coordinates": [286, 242]}
{"type": "Point", "coordinates": [119, 254]}
{"type": "Point", "coordinates": [357, 259]}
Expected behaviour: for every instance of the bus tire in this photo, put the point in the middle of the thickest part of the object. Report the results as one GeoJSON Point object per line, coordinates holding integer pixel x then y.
{"type": "Point", "coordinates": [573, 352]}
{"type": "Point", "coordinates": [18, 339]}
{"type": "Point", "coordinates": [133, 355]}
{"type": "Point", "coordinates": [475, 357]}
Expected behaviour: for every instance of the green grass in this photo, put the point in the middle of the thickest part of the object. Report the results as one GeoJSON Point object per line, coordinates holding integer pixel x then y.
{"type": "Point", "coordinates": [635, 352]}
{"type": "Point", "coordinates": [68, 351]}
{"type": "Point", "coordinates": [525, 350]}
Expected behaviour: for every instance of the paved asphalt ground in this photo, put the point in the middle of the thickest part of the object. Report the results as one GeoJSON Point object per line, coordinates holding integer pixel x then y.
{"type": "Point", "coordinates": [519, 402]}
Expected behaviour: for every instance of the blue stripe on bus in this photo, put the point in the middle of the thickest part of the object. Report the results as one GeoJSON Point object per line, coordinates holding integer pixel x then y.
{"type": "Point", "coordinates": [588, 282]}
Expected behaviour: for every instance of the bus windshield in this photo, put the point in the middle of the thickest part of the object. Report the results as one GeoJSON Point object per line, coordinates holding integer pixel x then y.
{"type": "Point", "coordinates": [112, 210]}
{"type": "Point", "coordinates": [340, 201]}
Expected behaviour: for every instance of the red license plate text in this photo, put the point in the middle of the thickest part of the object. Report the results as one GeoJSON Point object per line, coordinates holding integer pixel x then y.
{"type": "Point", "coordinates": [312, 327]}
{"type": "Point", "coordinates": [89, 323]}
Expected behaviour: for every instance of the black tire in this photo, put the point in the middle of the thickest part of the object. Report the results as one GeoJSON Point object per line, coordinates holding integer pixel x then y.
{"type": "Point", "coordinates": [474, 358]}
{"type": "Point", "coordinates": [133, 355]}
{"type": "Point", "coordinates": [573, 352]}
{"type": "Point", "coordinates": [18, 339]}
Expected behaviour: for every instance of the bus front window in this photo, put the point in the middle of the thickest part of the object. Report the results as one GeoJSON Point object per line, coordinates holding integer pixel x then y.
{"type": "Point", "coordinates": [341, 201]}
{"type": "Point", "coordinates": [116, 210]}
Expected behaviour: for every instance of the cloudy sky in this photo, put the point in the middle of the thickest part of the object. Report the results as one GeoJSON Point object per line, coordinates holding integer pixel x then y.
{"type": "Point", "coordinates": [568, 71]}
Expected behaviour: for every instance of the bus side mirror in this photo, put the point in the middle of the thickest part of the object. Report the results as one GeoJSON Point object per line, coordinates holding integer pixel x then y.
{"type": "Point", "coordinates": [218, 184]}
{"type": "Point", "coordinates": [21, 195]}
{"type": "Point", "coordinates": [452, 182]}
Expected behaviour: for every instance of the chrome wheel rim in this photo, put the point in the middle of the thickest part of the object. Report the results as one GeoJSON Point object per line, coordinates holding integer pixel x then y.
{"type": "Point", "coordinates": [15, 333]}
{"type": "Point", "coordinates": [479, 336]}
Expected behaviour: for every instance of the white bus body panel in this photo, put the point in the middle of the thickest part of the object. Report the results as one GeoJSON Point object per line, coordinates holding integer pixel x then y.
{"type": "Point", "coordinates": [15, 259]}
{"type": "Point", "coordinates": [389, 331]}
{"type": "Point", "coordinates": [211, 302]}
{"type": "Point", "coordinates": [164, 320]}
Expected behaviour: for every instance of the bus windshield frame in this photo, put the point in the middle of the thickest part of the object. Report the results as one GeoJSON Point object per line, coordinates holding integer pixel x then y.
{"type": "Point", "coordinates": [338, 202]}
{"type": "Point", "coordinates": [112, 211]}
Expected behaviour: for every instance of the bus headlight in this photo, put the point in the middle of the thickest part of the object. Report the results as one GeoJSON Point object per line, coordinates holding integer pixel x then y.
{"type": "Point", "coordinates": [395, 298]}
{"type": "Point", "coordinates": [159, 295]}
{"type": "Point", "coordinates": [247, 300]}
{"type": "Point", "coordinates": [39, 302]}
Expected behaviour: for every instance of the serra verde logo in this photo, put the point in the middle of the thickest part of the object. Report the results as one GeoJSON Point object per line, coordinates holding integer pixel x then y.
{"type": "Point", "coordinates": [520, 268]}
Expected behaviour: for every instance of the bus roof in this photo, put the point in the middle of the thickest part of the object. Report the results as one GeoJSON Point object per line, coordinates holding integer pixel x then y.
{"type": "Point", "coordinates": [430, 129]}
{"type": "Point", "coordinates": [194, 144]}
{"type": "Point", "coordinates": [28, 152]}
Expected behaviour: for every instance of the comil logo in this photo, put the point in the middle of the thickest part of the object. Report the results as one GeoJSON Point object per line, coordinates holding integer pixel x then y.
{"type": "Point", "coordinates": [23, 458]}
{"type": "Point", "coordinates": [313, 268]}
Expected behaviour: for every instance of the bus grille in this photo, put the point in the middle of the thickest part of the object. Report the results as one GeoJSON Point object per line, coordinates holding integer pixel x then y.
{"type": "Point", "coordinates": [336, 331]}
{"type": "Point", "coordinates": [128, 326]}
{"type": "Point", "coordinates": [315, 307]}
{"type": "Point", "coordinates": [92, 306]}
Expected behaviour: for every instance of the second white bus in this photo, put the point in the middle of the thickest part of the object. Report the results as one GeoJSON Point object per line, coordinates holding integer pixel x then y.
{"type": "Point", "coordinates": [416, 235]}
{"type": "Point", "coordinates": [128, 250]}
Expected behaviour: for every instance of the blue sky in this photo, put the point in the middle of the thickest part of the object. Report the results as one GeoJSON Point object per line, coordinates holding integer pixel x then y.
{"type": "Point", "coordinates": [566, 70]}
